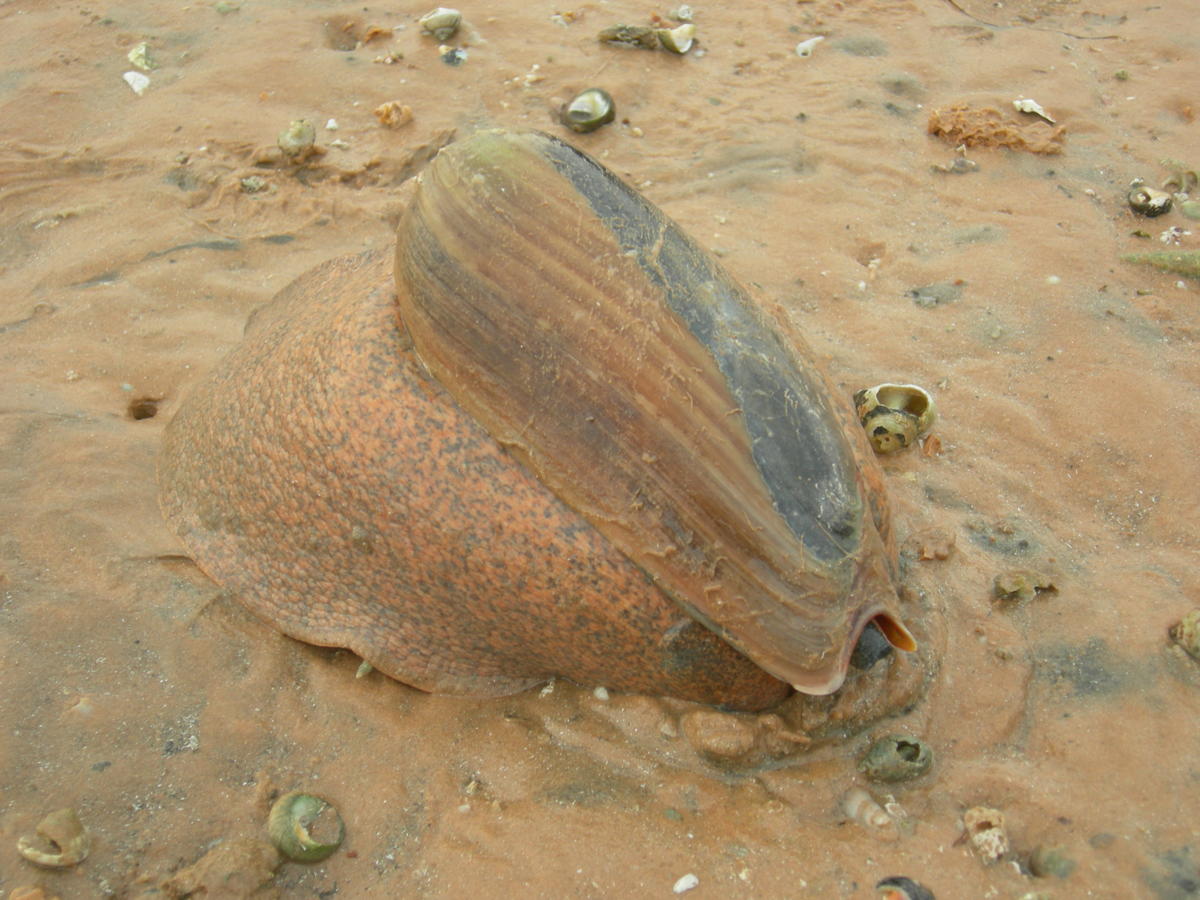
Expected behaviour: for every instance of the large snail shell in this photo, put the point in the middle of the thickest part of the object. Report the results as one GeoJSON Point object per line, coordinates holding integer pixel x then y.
{"type": "Point", "coordinates": [618, 472]}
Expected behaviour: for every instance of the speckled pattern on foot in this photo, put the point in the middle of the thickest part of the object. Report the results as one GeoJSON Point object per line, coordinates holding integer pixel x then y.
{"type": "Point", "coordinates": [342, 495]}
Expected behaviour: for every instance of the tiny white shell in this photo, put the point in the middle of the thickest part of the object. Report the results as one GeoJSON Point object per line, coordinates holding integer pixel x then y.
{"type": "Point", "coordinates": [862, 807]}
{"type": "Point", "coordinates": [678, 40]}
{"type": "Point", "coordinates": [137, 82]}
{"type": "Point", "coordinates": [806, 48]}
{"type": "Point", "coordinates": [1033, 108]}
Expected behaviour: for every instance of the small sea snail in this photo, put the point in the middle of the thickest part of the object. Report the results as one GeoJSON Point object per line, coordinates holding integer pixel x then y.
{"type": "Point", "coordinates": [678, 40]}
{"type": "Point", "coordinates": [1148, 201]}
{"type": "Point", "coordinates": [588, 110]}
{"type": "Point", "coordinates": [894, 415]}
{"type": "Point", "coordinates": [297, 140]}
{"type": "Point", "coordinates": [900, 887]}
{"type": "Point", "coordinates": [441, 23]}
{"type": "Point", "coordinates": [305, 828]}
{"type": "Point", "coordinates": [556, 438]}
{"type": "Point", "coordinates": [61, 841]}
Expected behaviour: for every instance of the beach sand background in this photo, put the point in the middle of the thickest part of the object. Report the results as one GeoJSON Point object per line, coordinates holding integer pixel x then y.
{"type": "Point", "coordinates": [134, 691]}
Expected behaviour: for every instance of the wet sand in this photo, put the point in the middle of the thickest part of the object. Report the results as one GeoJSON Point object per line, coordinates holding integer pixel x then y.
{"type": "Point", "coordinates": [136, 692]}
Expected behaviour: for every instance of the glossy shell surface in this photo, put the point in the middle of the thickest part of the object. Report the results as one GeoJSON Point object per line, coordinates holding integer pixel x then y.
{"type": "Point", "coordinates": [564, 443]}
{"type": "Point", "coordinates": [604, 349]}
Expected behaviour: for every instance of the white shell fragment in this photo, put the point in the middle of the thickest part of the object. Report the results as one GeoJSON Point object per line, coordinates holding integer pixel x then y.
{"type": "Point", "coordinates": [1033, 108]}
{"type": "Point", "coordinates": [61, 841]}
{"type": "Point", "coordinates": [137, 82]}
{"type": "Point", "coordinates": [806, 48]}
{"type": "Point", "coordinates": [863, 808]}
{"type": "Point", "coordinates": [984, 827]}
{"type": "Point", "coordinates": [678, 40]}
{"type": "Point", "coordinates": [685, 884]}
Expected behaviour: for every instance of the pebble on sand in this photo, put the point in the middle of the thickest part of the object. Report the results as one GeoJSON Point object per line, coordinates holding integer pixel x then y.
{"type": "Point", "coordinates": [685, 884]}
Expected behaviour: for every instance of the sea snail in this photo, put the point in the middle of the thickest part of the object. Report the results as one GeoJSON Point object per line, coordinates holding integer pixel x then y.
{"type": "Point", "coordinates": [562, 441]}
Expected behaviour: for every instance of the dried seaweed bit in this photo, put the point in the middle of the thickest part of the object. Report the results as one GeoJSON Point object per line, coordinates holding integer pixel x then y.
{"type": "Point", "coordinates": [393, 114]}
{"type": "Point", "coordinates": [962, 124]}
{"type": "Point", "coordinates": [630, 36]}
{"type": "Point", "coordinates": [1180, 262]}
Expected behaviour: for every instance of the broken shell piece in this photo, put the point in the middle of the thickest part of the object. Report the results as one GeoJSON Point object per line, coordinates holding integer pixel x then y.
{"type": "Point", "coordinates": [681, 13]}
{"type": "Point", "coordinates": [1033, 108]}
{"type": "Point", "coordinates": [894, 415]}
{"type": "Point", "coordinates": [69, 842]}
{"type": "Point", "coordinates": [901, 888]}
{"type": "Point", "coordinates": [960, 165]}
{"type": "Point", "coordinates": [862, 808]}
{"type": "Point", "coordinates": [1148, 201]}
{"type": "Point", "coordinates": [984, 827]}
{"type": "Point", "coordinates": [138, 83]}
{"type": "Point", "coordinates": [296, 141]}
{"type": "Point", "coordinates": [393, 114]}
{"type": "Point", "coordinates": [896, 758]}
{"type": "Point", "coordinates": [1186, 633]}
{"type": "Point", "coordinates": [305, 828]}
{"type": "Point", "coordinates": [806, 48]}
{"type": "Point", "coordinates": [1182, 180]}
{"type": "Point", "coordinates": [678, 40]}
{"type": "Point", "coordinates": [141, 57]}
{"type": "Point", "coordinates": [588, 110]}
{"type": "Point", "coordinates": [441, 22]}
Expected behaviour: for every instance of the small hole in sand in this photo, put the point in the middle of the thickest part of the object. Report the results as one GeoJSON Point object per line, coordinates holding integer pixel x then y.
{"type": "Point", "coordinates": [143, 407]}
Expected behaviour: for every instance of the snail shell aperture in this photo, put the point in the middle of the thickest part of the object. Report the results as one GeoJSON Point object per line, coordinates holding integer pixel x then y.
{"type": "Point", "coordinates": [567, 444]}
{"type": "Point", "coordinates": [894, 415]}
